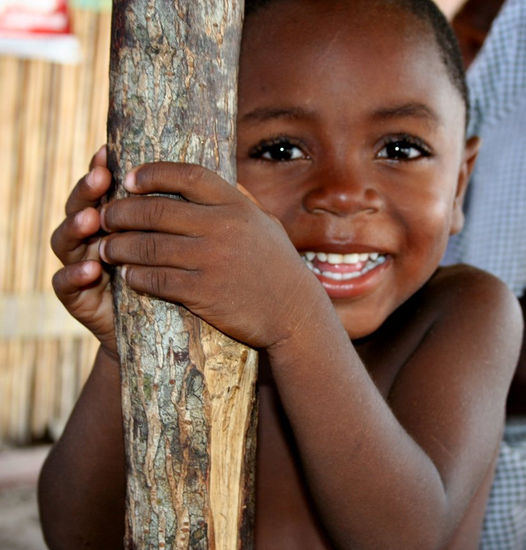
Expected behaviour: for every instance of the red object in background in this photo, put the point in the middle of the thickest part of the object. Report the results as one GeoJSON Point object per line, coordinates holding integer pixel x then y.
{"type": "Point", "coordinates": [37, 28]}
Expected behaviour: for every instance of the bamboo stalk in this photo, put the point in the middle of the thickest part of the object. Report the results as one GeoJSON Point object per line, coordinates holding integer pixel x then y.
{"type": "Point", "coordinates": [18, 78]}
{"type": "Point", "coordinates": [46, 196]}
{"type": "Point", "coordinates": [44, 381]}
{"type": "Point", "coordinates": [4, 391]}
{"type": "Point", "coordinates": [99, 103]}
{"type": "Point", "coordinates": [19, 363]}
{"type": "Point", "coordinates": [27, 203]}
{"type": "Point", "coordinates": [8, 115]}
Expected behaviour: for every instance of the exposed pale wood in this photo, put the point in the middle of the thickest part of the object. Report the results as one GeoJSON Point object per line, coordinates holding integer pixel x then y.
{"type": "Point", "coordinates": [188, 391]}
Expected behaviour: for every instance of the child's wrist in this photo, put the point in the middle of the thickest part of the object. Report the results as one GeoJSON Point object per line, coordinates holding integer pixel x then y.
{"type": "Point", "coordinates": [109, 354]}
{"type": "Point", "coordinates": [305, 324]}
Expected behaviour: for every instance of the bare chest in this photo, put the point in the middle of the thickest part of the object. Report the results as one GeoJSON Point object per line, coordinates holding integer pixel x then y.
{"type": "Point", "coordinates": [285, 517]}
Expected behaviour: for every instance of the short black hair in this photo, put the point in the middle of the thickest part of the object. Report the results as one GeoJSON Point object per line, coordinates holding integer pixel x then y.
{"type": "Point", "coordinates": [428, 12]}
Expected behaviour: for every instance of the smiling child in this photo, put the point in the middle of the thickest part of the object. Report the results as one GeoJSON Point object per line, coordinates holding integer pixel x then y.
{"type": "Point", "coordinates": [383, 378]}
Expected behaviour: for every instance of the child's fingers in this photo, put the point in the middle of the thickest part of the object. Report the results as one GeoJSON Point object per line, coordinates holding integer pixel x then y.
{"type": "Point", "coordinates": [193, 182]}
{"type": "Point", "coordinates": [243, 190]}
{"type": "Point", "coordinates": [89, 190]}
{"type": "Point", "coordinates": [163, 214]}
{"type": "Point", "coordinates": [174, 285]}
{"type": "Point", "coordinates": [151, 249]}
{"type": "Point", "coordinates": [71, 280]}
{"type": "Point", "coordinates": [69, 240]}
{"type": "Point", "coordinates": [100, 158]}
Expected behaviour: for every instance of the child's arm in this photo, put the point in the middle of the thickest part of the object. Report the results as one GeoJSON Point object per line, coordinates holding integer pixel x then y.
{"type": "Point", "coordinates": [81, 486]}
{"type": "Point", "coordinates": [395, 471]}
{"type": "Point", "coordinates": [402, 473]}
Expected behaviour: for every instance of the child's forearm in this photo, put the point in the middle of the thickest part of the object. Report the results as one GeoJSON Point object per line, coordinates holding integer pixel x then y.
{"type": "Point", "coordinates": [375, 484]}
{"type": "Point", "coordinates": [82, 483]}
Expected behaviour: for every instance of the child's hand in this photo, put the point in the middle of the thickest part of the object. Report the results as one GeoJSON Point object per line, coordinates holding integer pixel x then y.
{"type": "Point", "coordinates": [82, 285]}
{"type": "Point", "coordinates": [217, 252]}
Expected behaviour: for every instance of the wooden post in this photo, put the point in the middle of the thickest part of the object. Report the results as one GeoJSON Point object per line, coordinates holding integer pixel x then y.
{"type": "Point", "coordinates": [188, 391]}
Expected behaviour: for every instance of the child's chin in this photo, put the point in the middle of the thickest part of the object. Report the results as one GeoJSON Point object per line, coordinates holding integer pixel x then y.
{"type": "Point", "coordinates": [360, 329]}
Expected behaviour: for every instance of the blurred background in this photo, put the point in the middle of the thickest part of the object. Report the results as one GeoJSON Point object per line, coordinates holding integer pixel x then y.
{"type": "Point", "coordinates": [53, 103]}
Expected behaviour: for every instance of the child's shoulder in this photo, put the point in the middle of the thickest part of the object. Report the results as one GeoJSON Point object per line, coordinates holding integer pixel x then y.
{"type": "Point", "coordinates": [461, 318]}
{"type": "Point", "coordinates": [472, 304]}
{"type": "Point", "coordinates": [463, 286]}
{"type": "Point", "coordinates": [462, 299]}
{"type": "Point", "coordinates": [471, 313]}
{"type": "Point", "coordinates": [457, 338]}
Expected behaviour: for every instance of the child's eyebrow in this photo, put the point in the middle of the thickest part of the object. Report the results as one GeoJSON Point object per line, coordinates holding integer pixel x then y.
{"type": "Point", "coordinates": [263, 114]}
{"type": "Point", "coordinates": [403, 110]}
{"type": "Point", "coordinates": [412, 110]}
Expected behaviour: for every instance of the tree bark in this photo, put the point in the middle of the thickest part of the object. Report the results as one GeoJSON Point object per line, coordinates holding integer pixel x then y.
{"type": "Point", "coordinates": [188, 396]}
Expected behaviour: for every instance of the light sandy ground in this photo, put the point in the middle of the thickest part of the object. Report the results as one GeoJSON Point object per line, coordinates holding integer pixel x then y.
{"type": "Point", "coordinates": [19, 525]}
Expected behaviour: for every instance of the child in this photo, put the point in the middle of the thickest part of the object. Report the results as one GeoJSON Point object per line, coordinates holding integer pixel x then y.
{"type": "Point", "coordinates": [383, 378]}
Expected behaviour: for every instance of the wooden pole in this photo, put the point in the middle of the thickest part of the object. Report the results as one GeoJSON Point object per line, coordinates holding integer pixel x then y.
{"type": "Point", "coordinates": [188, 391]}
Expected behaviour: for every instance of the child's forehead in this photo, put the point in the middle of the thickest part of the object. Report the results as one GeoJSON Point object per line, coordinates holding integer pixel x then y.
{"type": "Point", "coordinates": [344, 14]}
{"type": "Point", "coordinates": [418, 21]}
{"type": "Point", "coordinates": [330, 31]}
{"type": "Point", "coordinates": [317, 54]}
{"type": "Point", "coordinates": [288, 24]}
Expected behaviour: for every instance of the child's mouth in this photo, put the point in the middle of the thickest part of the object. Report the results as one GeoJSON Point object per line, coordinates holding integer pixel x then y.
{"type": "Point", "coordinates": [342, 267]}
{"type": "Point", "coordinates": [347, 276]}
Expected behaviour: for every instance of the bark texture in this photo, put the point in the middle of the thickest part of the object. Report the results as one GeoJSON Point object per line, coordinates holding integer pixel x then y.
{"type": "Point", "coordinates": [188, 391]}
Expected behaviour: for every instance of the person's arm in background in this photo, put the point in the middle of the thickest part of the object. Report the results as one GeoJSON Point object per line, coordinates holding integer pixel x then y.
{"type": "Point", "coordinates": [450, 7]}
{"type": "Point", "coordinates": [471, 22]}
{"type": "Point", "coordinates": [517, 395]}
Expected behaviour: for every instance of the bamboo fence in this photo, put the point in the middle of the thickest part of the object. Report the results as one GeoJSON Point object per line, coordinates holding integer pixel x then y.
{"type": "Point", "coordinates": [52, 119]}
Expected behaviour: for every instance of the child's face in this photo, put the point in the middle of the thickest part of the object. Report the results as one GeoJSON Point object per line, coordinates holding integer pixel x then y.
{"type": "Point", "coordinates": [351, 134]}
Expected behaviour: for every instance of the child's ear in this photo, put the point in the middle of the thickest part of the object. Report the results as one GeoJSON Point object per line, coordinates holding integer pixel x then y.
{"type": "Point", "coordinates": [471, 151]}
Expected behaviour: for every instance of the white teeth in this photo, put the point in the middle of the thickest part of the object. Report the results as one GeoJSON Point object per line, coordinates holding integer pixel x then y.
{"type": "Point", "coordinates": [351, 258]}
{"type": "Point", "coordinates": [372, 260]}
{"type": "Point", "coordinates": [335, 258]}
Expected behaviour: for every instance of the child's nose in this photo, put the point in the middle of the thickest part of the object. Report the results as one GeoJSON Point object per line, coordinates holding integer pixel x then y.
{"type": "Point", "coordinates": [342, 194]}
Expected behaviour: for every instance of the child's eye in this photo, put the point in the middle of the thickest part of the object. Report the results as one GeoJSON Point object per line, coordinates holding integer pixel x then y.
{"type": "Point", "coordinates": [403, 148]}
{"type": "Point", "coordinates": [277, 150]}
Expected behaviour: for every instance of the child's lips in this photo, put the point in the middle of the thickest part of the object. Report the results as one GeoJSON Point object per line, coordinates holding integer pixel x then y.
{"type": "Point", "coordinates": [344, 275]}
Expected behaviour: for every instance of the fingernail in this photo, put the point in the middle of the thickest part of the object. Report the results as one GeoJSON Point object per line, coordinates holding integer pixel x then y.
{"type": "Point", "coordinates": [124, 270]}
{"type": "Point", "coordinates": [80, 217]}
{"type": "Point", "coordinates": [87, 268]}
{"type": "Point", "coordinates": [102, 215]}
{"type": "Point", "coordinates": [129, 181]}
{"type": "Point", "coordinates": [102, 250]}
{"type": "Point", "coordinates": [89, 179]}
